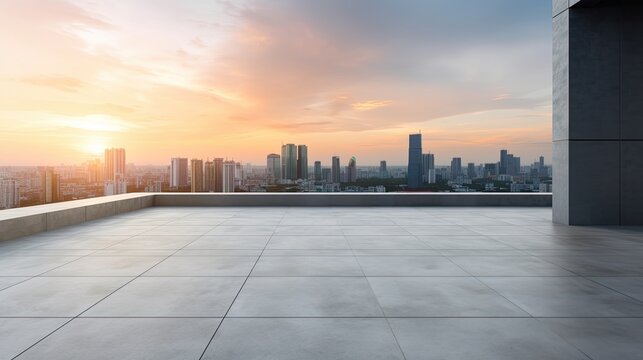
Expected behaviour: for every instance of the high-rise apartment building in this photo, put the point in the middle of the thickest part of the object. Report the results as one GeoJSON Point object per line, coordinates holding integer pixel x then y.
{"type": "Point", "coordinates": [178, 172]}
{"type": "Point", "coordinates": [95, 172]}
{"type": "Point", "coordinates": [336, 173]}
{"type": "Point", "coordinates": [318, 171]}
{"type": "Point", "coordinates": [218, 174]}
{"type": "Point", "coordinates": [208, 176]}
{"type": "Point", "coordinates": [274, 168]}
{"type": "Point", "coordinates": [50, 185]}
{"type": "Point", "coordinates": [491, 169]}
{"type": "Point", "coordinates": [196, 175]}
{"type": "Point", "coordinates": [509, 169]}
{"type": "Point", "coordinates": [542, 170]}
{"type": "Point", "coordinates": [428, 168]}
{"type": "Point", "coordinates": [456, 167]}
{"type": "Point", "coordinates": [504, 159]}
{"type": "Point", "coordinates": [351, 170]}
{"type": "Point", "coordinates": [289, 162]}
{"type": "Point", "coordinates": [9, 194]}
{"type": "Point", "coordinates": [414, 170]}
{"type": "Point", "coordinates": [115, 180]}
{"type": "Point", "coordinates": [383, 170]}
{"type": "Point", "coordinates": [302, 162]}
{"type": "Point", "coordinates": [471, 171]}
{"type": "Point", "coordinates": [229, 168]}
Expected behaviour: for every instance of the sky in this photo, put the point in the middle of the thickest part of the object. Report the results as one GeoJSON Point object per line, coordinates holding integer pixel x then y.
{"type": "Point", "coordinates": [236, 79]}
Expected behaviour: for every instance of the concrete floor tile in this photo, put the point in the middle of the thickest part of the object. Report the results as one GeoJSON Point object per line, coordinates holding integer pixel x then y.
{"type": "Point", "coordinates": [170, 297]}
{"type": "Point", "coordinates": [492, 339]}
{"type": "Point", "coordinates": [295, 339]}
{"type": "Point", "coordinates": [204, 266]}
{"type": "Point", "coordinates": [56, 297]}
{"type": "Point", "coordinates": [135, 339]}
{"type": "Point", "coordinates": [306, 297]}
{"type": "Point", "coordinates": [18, 334]}
{"type": "Point", "coordinates": [440, 297]}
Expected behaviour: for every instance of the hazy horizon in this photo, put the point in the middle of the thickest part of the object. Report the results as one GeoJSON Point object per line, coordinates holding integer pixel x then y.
{"type": "Point", "coordinates": [202, 79]}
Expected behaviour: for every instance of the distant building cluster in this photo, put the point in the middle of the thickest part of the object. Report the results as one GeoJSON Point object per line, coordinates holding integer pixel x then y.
{"type": "Point", "coordinates": [505, 175]}
{"type": "Point", "coordinates": [290, 170]}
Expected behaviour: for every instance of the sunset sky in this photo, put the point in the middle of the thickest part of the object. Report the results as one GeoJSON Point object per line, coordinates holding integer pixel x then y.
{"type": "Point", "coordinates": [207, 78]}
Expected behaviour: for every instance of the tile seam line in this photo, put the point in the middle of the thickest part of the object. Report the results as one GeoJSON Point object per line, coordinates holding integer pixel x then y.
{"type": "Point", "coordinates": [225, 315]}
{"type": "Point", "coordinates": [390, 327]}
{"type": "Point", "coordinates": [90, 307]}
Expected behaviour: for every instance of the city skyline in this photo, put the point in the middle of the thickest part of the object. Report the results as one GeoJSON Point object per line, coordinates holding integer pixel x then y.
{"type": "Point", "coordinates": [234, 79]}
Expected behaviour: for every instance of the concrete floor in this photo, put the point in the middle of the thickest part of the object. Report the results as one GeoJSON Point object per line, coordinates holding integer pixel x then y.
{"type": "Point", "coordinates": [324, 283]}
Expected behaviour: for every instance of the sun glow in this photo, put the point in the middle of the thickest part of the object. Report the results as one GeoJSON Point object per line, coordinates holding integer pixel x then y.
{"type": "Point", "coordinates": [94, 147]}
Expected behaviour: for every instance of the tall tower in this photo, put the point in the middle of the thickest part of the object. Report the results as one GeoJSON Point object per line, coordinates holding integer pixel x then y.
{"type": "Point", "coordinates": [302, 162]}
{"type": "Point", "coordinates": [383, 170]}
{"type": "Point", "coordinates": [414, 170]}
{"type": "Point", "coordinates": [178, 172]}
{"type": "Point", "coordinates": [504, 159]}
{"type": "Point", "coordinates": [218, 174]}
{"type": "Point", "coordinates": [351, 176]}
{"type": "Point", "coordinates": [274, 168]}
{"type": "Point", "coordinates": [229, 175]}
{"type": "Point", "coordinates": [471, 170]}
{"type": "Point", "coordinates": [289, 162]}
{"type": "Point", "coordinates": [336, 174]}
{"type": "Point", "coordinates": [428, 168]}
{"type": "Point", "coordinates": [318, 171]}
{"type": "Point", "coordinates": [115, 181]}
{"type": "Point", "coordinates": [208, 176]}
{"type": "Point", "coordinates": [456, 167]}
{"type": "Point", "coordinates": [196, 175]}
{"type": "Point", "coordinates": [50, 184]}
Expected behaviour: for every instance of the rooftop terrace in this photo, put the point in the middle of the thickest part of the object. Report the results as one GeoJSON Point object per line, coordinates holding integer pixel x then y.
{"type": "Point", "coordinates": [323, 283]}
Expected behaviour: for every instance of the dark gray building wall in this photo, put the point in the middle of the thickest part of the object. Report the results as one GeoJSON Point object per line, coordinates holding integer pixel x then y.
{"type": "Point", "coordinates": [598, 111]}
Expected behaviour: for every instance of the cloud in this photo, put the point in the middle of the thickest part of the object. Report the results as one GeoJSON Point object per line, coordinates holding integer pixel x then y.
{"type": "Point", "coordinates": [370, 105]}
{"type": "Point", "coordinates": [63, 83]}
{"type": "Point", "coordinates": [292, 55]}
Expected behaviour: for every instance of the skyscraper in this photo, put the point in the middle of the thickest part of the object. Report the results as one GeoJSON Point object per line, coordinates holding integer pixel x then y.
{"type": "Point", "coordinates": [471, 170]}
{"type": "Point", "coordinates": [95, 172]}
{"type": "Point", "coordinates": [503, 162]}
{"type": "Point", "coordinates": [318, 171]}
{"type": "Point", "coordinates": [289, 162]}
{"type": "Point", "coordinates": [542, 170]}
{"type": "Point", "coordinates": [336, 173]}
{"type": "Point", "coordinates": [229, 175]}
{"type": "Point", "coordinates": [383, 170]}
{"type": "Point", "coordinates": [208, 176]}
{"type": "Point", "coordinates": [178, 172]}
{"type": "Point", "coordinates": [510, 166]}
{"type": "Point", "coordinates": [50, 184]}
{"type": "Point", "coordinates": [302, 162]}
{"type": "Point", "coordinates": [351, 173]}
{"type": "Point", "coordinates": [414, 170]}
{"type": "Point", "coordinates": [456, 167]}
{"type": "Point", "coordinates": [115, 181]}
{"type": "Point", "coordinates": [196, 175]}
{"type": "Point", "coordinates": [274, 168]}
{"type": "Point", "coordinates": [218, 174]}
{"type": "Point", "coordinates": [428, 168]}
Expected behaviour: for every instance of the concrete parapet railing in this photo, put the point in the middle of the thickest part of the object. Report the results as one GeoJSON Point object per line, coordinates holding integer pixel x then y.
{"type": "Point", "coordinates": [31, 220]}
{"type": "Point", "coordinates": [353, 199]}
{"type": "Point", "coordinates": [20, 222]}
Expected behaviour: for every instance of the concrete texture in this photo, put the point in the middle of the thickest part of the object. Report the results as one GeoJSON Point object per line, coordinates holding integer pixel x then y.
{"type": "Point", "coordinates": [378, 283]}
{"type": "Point", "coordinates": [19, 222]}
{"type": "Point", "coordinates": [597, 112]}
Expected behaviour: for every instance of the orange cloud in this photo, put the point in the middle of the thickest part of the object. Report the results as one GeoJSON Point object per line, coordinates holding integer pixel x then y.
{"type": "Point", "coordinates": [370, 104]}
